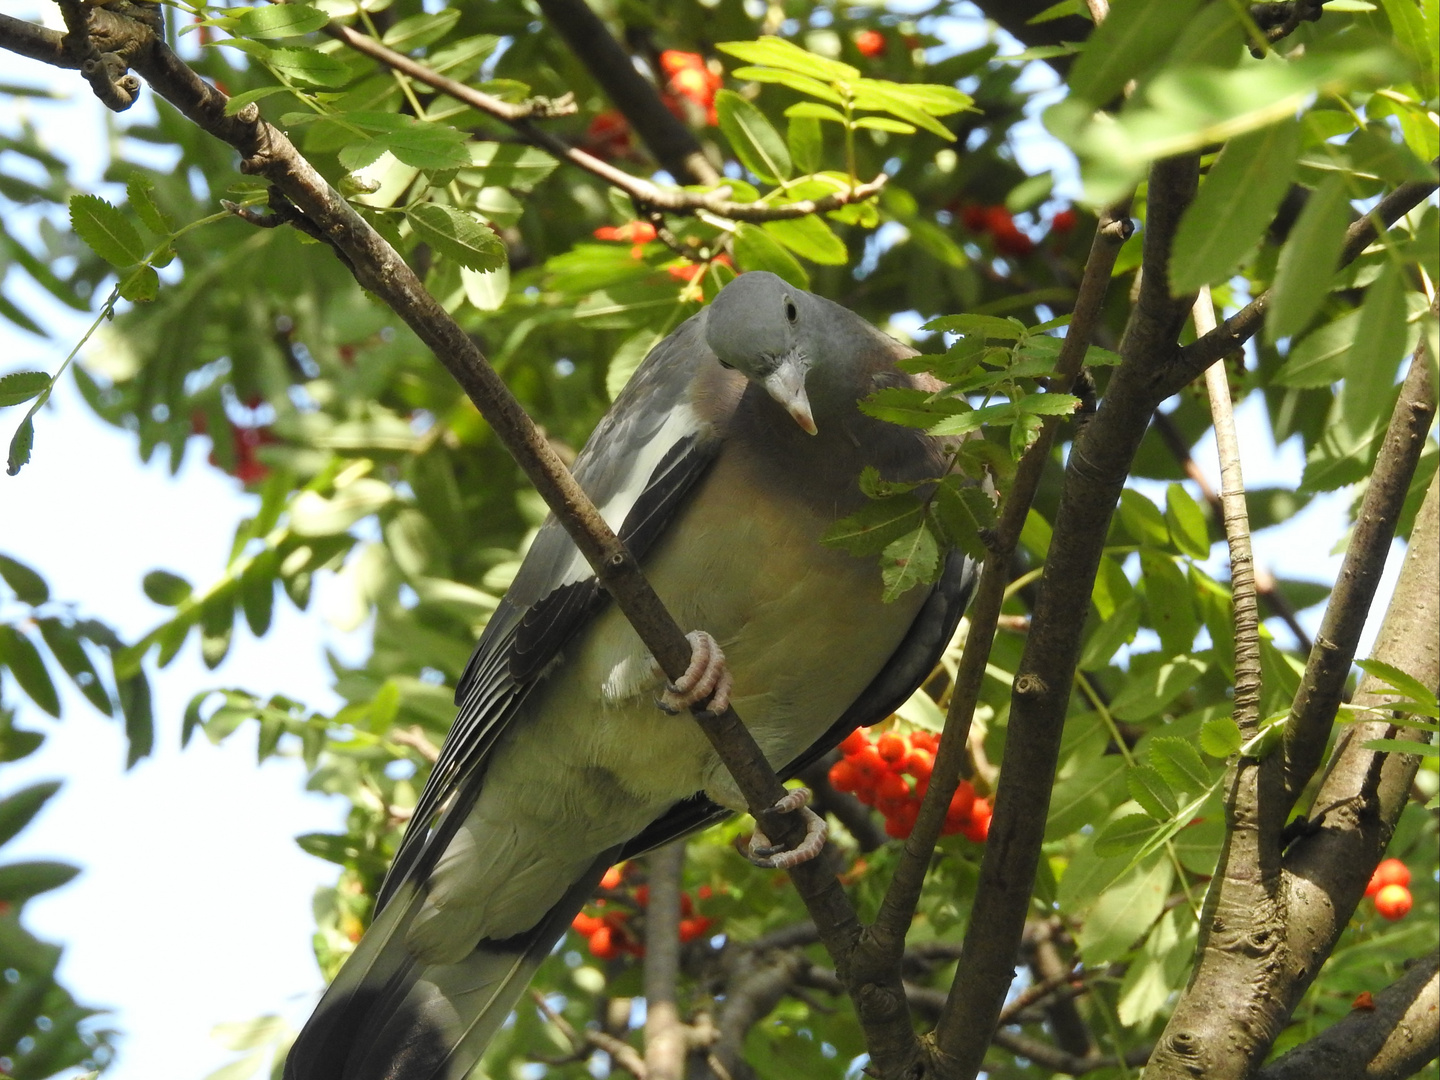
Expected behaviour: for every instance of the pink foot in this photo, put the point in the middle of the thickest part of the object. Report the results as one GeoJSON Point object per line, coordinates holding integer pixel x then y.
{"type": "Point", "coordinates": [708, 676]}
{"type": "Point", "coordinates": [775, 857]}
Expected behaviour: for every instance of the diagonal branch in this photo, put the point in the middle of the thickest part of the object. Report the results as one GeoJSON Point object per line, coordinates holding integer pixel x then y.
{"type": "Point", "coordinates": [1323, 683]}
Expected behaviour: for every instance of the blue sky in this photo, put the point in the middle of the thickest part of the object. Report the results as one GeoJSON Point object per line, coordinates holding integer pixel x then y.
{"type": "Point", "coordinates": [194, 905]}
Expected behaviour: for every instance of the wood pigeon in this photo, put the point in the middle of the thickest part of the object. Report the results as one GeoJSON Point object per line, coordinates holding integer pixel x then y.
{"type": "Point", "coordinates": [735, 445]}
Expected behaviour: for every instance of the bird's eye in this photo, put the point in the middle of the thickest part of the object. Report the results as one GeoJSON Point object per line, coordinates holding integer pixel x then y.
{"type": "Point", "coordinates": [790, 312]}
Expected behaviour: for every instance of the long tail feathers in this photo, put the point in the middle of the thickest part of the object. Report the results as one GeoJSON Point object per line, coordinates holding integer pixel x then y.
{"type": "Point", "coordinates": [388, 1017]}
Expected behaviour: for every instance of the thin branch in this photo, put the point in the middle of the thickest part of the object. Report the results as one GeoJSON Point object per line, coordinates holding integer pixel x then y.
{"type": "Point", "coordinates": [1245, 323]}
{"type": "Point", "coordinates": [621, 1052]}
{"type": "Point", "coordinates": [665, 1041]}
{"type": "Point", "coordinates": [756, 984]}
{"type": "Point", "coordinates": [1392, 1039]}
{"type": "Point", "coordinates": [1237, 532]}
{"type": "Point", "coordinates": [1323, 683]}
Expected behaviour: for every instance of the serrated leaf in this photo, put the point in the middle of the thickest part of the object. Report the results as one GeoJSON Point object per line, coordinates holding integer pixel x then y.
{"type": "Point", "coordinates": [1134, 36]}
{"type": "Point", "coordinates": [28, 586]}
{"type": "Point", "coordinates": [19, 654]}
{"type": "Point", "coordinates": [1170, 601]}
{"type": "Point", "coordinates": [285, 20]}
{"type": "Point", "coordinates": [139, 193]}
{"type": "Point", "coordinates": [308, 66]}
{"type": "Point", "coordinates": [1234, 205]}
{"type": "Point", "coordinates": [1319, 359]}
{"type": "Point", "coordinates": [779, 53]}
{"type": "Point", "coordinates": [105, 231]}
{"type": "Point", "coordinates": [1179, 763]}
{"type": "Point", "coordinates": [1047, 404]}
{"type": "Point", "coordinates": [1146, 694]}
{"type": "Point", "coordinates": [910, 560]}
{"type": "Point", "coordinates": [1126, 909]}
{"type": "Point", "coordinates": [1186, 522]}
{"type": "Point", "coordinates": [1308, 260]}
{"type": "Point", "coordinates": [421, 144]}
{"type": "Point", "coordinates": [964, 423]}
{"type": "Point", "coordinates": [1111, 633]}
{"type": "Point", "coordinates": [754, 249]}
{"type": "Point", "coordinates": [1148, 788]}
{"type": "Point", "coordinates": [1400, 680]}
{"type": "Point", "coordinates": [1220, 737]}
{"type": "Point", "coordinates": [871, 528]}
{"type": "Point", "coordinates": [963, 512]}
{"type": "Point", "coordinates": [1125, 835]}
{"type": "Point", "coordinates": [910, 406]}
{"type": "Point", "coordinates": [755, 142]}
{"type": "Point", "coordinates": [1403, 746]}
{"type": "Point", "coordinates": [898, 100]}
{"type": "Point", "coordinates": [990, 327]}
{"type": "Point", "coordinates": [417, 31]}
{"type": "Point", "coordinates": [260, 93]}
{"type": "Point", "coordinates": [811, 238]}
{"type": "Point", "coordinates": [21, 444]}
{"type": "Point", "coordinates": [805, 84]}
{"type": "Point", "coordinates": [457, 235]}
{"type": "Point", "coordinates": [140, 285]}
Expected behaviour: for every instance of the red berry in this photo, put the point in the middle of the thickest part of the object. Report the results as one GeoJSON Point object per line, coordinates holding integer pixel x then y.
{"type": "Point", "coordinates": [871, 765]}
{"type": "Point", "coordinates": [844, 776]}
{"type": "Point", "coordinates": [892, 747]}
{"type": "Point", "coordinates": [673, 61]}
{"type": "Point", "coordinates": [893, 786]}
{"type": "Point", "coordinates": [871, 43]}
{"type": "Point", "coordinates": [920, 763]}
{"type": "Point", "coordinates": [925, 740]}
{"type": "Point", "coordinates": [611, 880]}
{"type": "Point", "coordinates": [973, 216]}
{"type": "Point", "coordinates": [642, 896]}
{"type": "Point", "coordinates": [690, 929]}
{"type": "Point", "coordinates": [979, 827]}
{"type": "Point", "coordinates": [603, 945]}
{"type": "Point", "coordinates": [586, 924]}
{"type": "Point", "coordinates": [1063, 221]}
{"type": "Point", "coordinates": [1393, 902]}
{"type": "Point", "coordinates": [895, 826]}
{"type": "Point", "coordinates": [1389, 872]}
{"type": "Point", "coordinates": [1364, 1000]}
{"type": "Point", "coordinates": [962, 803]}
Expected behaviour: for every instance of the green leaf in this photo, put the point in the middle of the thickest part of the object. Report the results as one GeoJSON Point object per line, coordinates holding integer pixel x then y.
{"type": "Point", "coordinates": [139, 193]}
{"type": "Point", "coordinates": [140, 285]}
{"type": "Point", "coordinates": [509, 165]}
{"type": "Point", "coordinates": [779, 53]}
{"type": "Point", "coordinates": [899, 100]}
{"type": "Point", "coordinates": [257, 591]}
{"type": "Point", "coordinates": [1234, 206]}
{"type": "Point", "coordinates": [286, 20]}
{"type": "Point", "coordinates": [1126, 834]}
{"type": "Point", "coordinates": [165, 588]}
{"type": "Point", "coordinates": [260, 93]}
{"type": "Point", "coordinates": [806, 143]}
{"type": "Point", "coordinates": [1308, 260]}
{"type": "Point", "coordinates": [1181, 765]}
{"type": "Point", "coordinates": [871, 528]}
{"type": "Point", "coordinates": [805, 84]}
{"type": "Point", "coordinates": [1148, 788]}
{"type": "Point", "coordinates": [1125, 910]}
{"type": "Point", "coordinates": [755, 142]}
{"type": "Point", "coordinates": [1142, 519]}
{"type": "Point", "coordinates": [754, 249]}
{"type": "Point", "coordinates": [1146, 694]}
{"type": "Point", "coordinates": [1408, 25]}
{"type": "Point", "coordinates": [1186, 522]}
{"type": "Point", "coordinates": [1170, 601]}
{"type": "Point", "coordinates": [1378, 348]}
{"type": "Point", "coordinates": [1110, 633]}
{"type": "Point", "coordinates": [1319, 358]}
{"type": "Point", "coordinates": [308, 66]}
{"type": "Point", "coordinates": [105, 231]}
{"type": "Point", "coordinates": [884, 123]}
{"type": "Point", "coordinates": [990, 327]}
{"type": "Point", "coordinates": [417, 31]}
{"type": "Point", "coordinates": [20, 445]}
{"type": "Point", "coordinates": [804, 109]}
{"type": "Point", "coordinates": [1220, 737]}
{"type": "Point", "coordinates": [19, 654]}
{"type": "Point", "coordinates": [963, 512]}
{"type": "Point", "coordinates": [1403, 746]}
{"type": "Point", "coordinates": [64, 644]}
{"type": "Point", "coordinates": [28, 586]}
{"type": "Point", "coordinates": [910, 560]}
{"type": "Point", "coordinates": [457, 235]}
{"type": "Point", "coordinates": [17, 810]}
{"type": "Point", "coordinates": [910, 406]}
{"type": "Point", "coordinates": [1400, 680]}
{"type": "Point", "coordinates": [418, 143]}
{"type": "Point", "coordinates": [1047, 404]}
{"type": "Point", "coordinates": [810, 237]}
{"type": "Point", "coordinates": [19, 881]}
{"type": "Point", "coordinates": [1135, 35]}
{"type": "Point", "coordinates": [311, 514]}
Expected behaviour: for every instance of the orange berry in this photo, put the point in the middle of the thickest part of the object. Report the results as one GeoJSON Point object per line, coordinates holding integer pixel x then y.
{"type": "Point", "coordinates": [844, 776]}
{"type": "Point", "coordinates": [920, 763]}
{"type": "Point", "coordinates": [1389, 872]}
{"type": "Point", "coordinates": [674, 61]}
{"type": "Point", "coordinates": [855, 742]}
{"type": "Point", "coordinates": [603, 945]}
{"type": "Point", "coordinates": [870, 765]}
{"type": "Point", "coordinates": [962, 803]}
{"type": "Point", "coordinates": [870, 43]}
{"type": "Point", "coordinates": [611, 880]}
{"type": "Point", "coordinates": [979, 826]}
{"type": "Point", "coordinates": [586, 925]}
{"type": "Point", "coordinates": [893, 786]}
{"type": "Point", "coordinates": [925, 740]}
{"type": "Point", "coordinates": [690, 929]}
{"type": "Point", "coordinates": [892, 747]}
{"type": "Point", "coordinates": [1393, 902]}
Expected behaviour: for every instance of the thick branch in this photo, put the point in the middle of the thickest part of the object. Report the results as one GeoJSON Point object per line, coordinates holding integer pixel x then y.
{"type": "Point", "coordinates": [1313, 711]}
{"type": "Point", "coordinates": [1245, 323]}
{"type": "Point", "coordinates": [1392, 1041]}
{"type": "Point", "coordinates": [35, 42]}
{"type": "Point", "coordinates": [1098, 465]}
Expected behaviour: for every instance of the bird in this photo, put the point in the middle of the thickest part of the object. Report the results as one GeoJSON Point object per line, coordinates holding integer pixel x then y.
{"type": "Point", "coordinates": [733, 448]}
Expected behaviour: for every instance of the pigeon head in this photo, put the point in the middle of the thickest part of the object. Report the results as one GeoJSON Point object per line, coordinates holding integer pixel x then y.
{"type": "Point", "coordinates": [768, 330]}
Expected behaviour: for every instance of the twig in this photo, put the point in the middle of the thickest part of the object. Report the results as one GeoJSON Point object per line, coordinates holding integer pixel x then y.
{"type": "Point", "coordinates": [665, 1042]}
{"type": "Point", "coordinates": [1248, 684]}
{"type": "Point", "coordinates": [621, 1052]}
{"type": "Point", "coordinates": [417, 740]}
{"type": "Point", "coordinates": [1313, 711]}
{"type": "Point", "coordinates": [1392, 1040]}
{"type": "Point", "coordinates": [756, 984]}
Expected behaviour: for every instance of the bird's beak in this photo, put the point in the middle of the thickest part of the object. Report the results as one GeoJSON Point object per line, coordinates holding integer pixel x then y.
{"type": "Point", "coordinates": [786, 384]}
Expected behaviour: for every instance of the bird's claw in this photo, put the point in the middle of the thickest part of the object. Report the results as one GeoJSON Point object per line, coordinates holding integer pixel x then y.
{"type": "Point", "coordinates": [770, 856]}
{"type": "Point", "coordinates": [708, 676]}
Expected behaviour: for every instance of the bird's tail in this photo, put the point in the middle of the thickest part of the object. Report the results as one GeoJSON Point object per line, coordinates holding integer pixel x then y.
{"type": "Point", "coordinates": [388, 1016]}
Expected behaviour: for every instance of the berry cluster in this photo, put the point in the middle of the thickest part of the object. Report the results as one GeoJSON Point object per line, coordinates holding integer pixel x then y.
{"type": "Point", "coordinates": [999, 223]}
{"type": "Point", "coordinates": [1388, 888]}
{"type": "Point", "coordinates": [892, 773]}
{"type": "Point", "coordinates": [609, 932]}
{"type": "Point", "coordinates": [691, 78]}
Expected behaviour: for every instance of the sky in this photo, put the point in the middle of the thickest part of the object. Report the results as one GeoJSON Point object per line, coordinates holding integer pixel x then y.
{"type": "Point", "coordinates": [193, 907]}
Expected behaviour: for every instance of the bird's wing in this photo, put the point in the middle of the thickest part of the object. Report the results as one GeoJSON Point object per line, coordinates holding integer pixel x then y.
{"type": "Point", "coordinates": [638, 466]}
{"type": "Point", "coordinates": [911, 662]}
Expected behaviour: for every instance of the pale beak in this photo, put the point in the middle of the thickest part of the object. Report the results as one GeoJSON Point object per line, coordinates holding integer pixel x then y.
{"type": "Point", "coordinates": [786, 384]}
